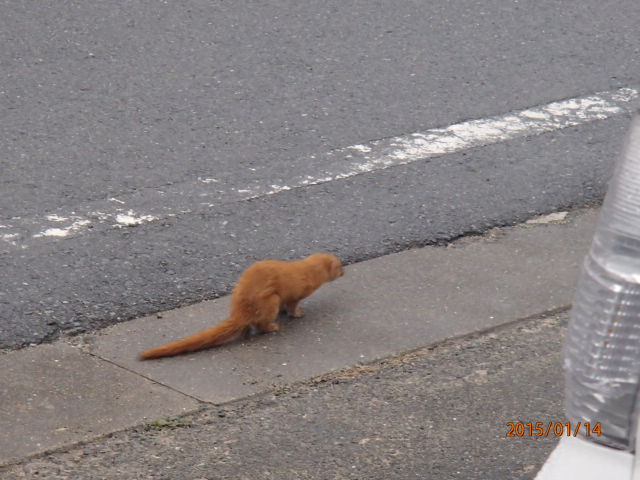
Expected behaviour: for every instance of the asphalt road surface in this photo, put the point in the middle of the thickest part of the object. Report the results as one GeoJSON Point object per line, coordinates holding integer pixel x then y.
{"type": "Point", "coordinates": [150, 151]}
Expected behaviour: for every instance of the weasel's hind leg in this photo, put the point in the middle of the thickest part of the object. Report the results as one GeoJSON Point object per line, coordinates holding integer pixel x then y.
{"type": "Point", "coordinates": [268, 313]}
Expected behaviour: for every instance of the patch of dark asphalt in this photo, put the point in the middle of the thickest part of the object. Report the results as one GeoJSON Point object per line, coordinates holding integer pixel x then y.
{"type": "Point", "coordinates": [94, 280]}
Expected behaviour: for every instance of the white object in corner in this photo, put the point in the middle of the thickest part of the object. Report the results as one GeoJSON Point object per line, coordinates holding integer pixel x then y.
{"type": "Point", "coordinates": [576, 458]}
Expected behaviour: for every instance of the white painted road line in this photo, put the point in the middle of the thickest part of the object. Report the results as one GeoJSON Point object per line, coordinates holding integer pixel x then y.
{"type": "Point", "coordinates": [152, 205]}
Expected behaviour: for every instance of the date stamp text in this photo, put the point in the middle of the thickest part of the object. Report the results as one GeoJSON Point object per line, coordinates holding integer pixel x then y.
{"type": "Point", "coordinates": [553, 429]}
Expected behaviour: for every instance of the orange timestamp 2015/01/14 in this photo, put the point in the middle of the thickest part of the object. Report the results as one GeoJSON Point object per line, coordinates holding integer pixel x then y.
{"type": "Point", "coordinates": [553, 429]}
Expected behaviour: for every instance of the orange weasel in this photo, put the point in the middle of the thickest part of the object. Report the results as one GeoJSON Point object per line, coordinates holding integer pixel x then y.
{"type": "Point", "coordinates": [262, 290]}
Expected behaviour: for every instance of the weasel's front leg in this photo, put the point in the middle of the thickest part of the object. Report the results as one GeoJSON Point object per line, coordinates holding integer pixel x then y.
{"type": "Point", "coordinates": [293, 310]}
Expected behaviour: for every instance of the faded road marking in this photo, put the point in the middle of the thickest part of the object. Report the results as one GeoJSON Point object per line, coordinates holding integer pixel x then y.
{"type": "Point", "coordinates": [152, 205]}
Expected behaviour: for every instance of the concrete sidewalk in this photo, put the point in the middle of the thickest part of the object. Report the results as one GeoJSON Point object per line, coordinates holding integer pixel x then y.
{"type": "Point", "coordinates": [56, 395]}
{"type": "Point", "coordinates": [437, 413]}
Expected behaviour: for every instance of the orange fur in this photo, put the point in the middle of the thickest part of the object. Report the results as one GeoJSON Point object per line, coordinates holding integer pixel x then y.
{"type": "Point", "coordinates": [262, 290]}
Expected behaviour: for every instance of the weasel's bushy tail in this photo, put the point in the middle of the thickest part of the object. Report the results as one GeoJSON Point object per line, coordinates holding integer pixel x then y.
{"type": "Point", "coordinates": [209, 337]}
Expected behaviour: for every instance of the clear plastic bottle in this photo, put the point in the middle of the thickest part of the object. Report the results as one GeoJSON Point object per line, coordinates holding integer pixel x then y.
{"type": "Point", "coordinates": [602, 349]}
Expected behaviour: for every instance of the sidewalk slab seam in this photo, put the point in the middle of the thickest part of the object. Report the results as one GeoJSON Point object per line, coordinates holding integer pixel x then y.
{"type": "Point", "coordinates": [55, 395]}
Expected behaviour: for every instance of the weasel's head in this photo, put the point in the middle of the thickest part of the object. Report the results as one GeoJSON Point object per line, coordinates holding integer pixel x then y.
{"type": "Point", "coordinates": [331, 263]}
